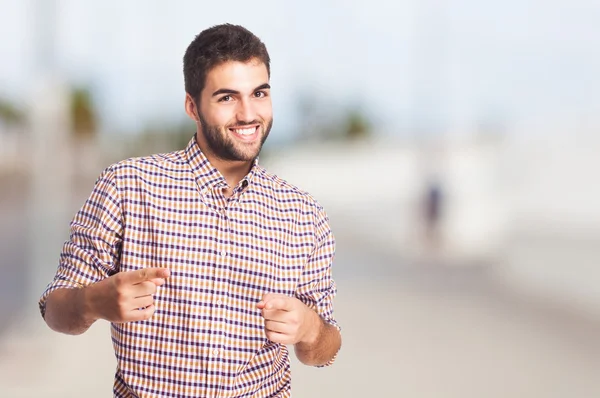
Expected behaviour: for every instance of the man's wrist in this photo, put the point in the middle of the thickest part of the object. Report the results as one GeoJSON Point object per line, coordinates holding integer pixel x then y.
{"type": "Point", "coordinates": [316, 325]}
{"type": "Point", "coordinates": [86, 305]}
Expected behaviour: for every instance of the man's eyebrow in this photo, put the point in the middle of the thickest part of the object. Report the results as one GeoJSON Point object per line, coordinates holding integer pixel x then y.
{"type": "Point", "coordinates": [225, 91]}
{"type": "Point", "coordinates": [220, 91]}
{"type": "Point", "coordinates": [263, 87]}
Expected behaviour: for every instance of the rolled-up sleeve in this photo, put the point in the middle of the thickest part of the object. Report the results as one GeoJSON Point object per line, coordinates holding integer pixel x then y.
{"type": "Point", "coordinates": [317, 287]}
{"type": "Point", "coordinates": [93, 249]}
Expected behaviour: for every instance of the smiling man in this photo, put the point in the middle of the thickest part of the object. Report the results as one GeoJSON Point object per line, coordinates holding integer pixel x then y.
{"type": "Point", "coordinates": [206, 265]}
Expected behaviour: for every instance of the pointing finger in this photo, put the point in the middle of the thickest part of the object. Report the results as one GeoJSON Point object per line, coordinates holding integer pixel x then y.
{"type": "Point", "coordinates": [147, 274]}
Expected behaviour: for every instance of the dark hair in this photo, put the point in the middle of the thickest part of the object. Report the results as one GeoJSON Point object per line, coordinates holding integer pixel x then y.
{"type": "Point", "coordinates": [216, 45]}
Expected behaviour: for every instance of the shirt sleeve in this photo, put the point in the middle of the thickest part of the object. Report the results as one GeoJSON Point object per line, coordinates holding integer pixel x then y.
{"type": "Point", "coordinates": [92, 251]}
{"type": "Point", "coordinates": [317, 288]}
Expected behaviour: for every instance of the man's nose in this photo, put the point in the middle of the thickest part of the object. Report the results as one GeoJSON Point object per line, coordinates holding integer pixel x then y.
{"type": "Point", "coordinates": [245, 111]}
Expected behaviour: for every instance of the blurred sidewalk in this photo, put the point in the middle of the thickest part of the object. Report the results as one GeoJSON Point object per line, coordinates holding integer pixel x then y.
{"type": "Point", "coordinates": [409, 329]}
{"type": "Point", "coordinates": [36, 362]}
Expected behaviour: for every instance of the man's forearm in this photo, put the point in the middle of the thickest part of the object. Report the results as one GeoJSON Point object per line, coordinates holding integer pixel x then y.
{"type": "Point", "coordinates": [322, 346]}
{"type": "Point", "coordinates": [66, 311]}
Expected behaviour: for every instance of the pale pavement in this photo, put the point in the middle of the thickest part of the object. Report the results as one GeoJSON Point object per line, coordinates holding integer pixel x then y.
{"type": "Point", "coordinates": [409, 330]}
{"type": "Point", "coordinates": [407, 333]}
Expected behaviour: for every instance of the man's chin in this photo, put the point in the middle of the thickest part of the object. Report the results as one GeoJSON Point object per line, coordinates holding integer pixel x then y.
{"type": "Point", "coordinates": [248, 152]}
{"type": "Point", "coordinates": [247, 157]}
{"type": "Point", "coordinates": [242, 156]}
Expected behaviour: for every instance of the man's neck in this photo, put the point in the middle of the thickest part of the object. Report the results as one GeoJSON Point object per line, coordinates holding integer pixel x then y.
{"type": "Point", "coordinates": [233, 171]}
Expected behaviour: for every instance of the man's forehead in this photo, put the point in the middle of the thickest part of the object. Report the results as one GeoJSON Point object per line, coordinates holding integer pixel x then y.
{"type": "Point", "coordinates": [237, 75]}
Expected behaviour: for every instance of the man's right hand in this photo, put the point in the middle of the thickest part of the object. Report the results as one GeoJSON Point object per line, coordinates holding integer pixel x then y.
{"type": "Point", "coordinates": [124, 297]}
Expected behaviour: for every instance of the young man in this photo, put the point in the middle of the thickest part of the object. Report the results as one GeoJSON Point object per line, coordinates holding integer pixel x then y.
{"type": "Point", "coordinates": [206, 265]}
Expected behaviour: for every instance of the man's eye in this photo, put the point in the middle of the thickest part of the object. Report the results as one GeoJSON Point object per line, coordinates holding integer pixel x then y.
{"type": "Point", "coordinates": [260, 94]}
{"type": "Point", "coordinates": [226, 98]}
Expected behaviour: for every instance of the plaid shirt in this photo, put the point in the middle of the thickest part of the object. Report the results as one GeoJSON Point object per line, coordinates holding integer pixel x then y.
{"type": "Point", "coordinates": [206, 337]}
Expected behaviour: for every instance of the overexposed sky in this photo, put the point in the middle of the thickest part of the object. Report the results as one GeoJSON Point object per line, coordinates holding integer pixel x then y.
{"type": "Point", "coordinates": [453, 61]}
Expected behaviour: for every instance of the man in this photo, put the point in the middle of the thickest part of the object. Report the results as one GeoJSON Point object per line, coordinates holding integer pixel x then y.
{"type": "Point", "coordinates": [206, 265]}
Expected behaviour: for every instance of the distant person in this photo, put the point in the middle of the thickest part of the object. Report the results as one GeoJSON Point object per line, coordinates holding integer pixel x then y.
{"type": "Point", "coordinates": [433, 214]}
{"type": "Point", "coordinates": [205, 264]}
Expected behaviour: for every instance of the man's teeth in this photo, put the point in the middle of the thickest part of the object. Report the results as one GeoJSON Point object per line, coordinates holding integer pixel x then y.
{"type": "Point", "coordinates": [248, 131]}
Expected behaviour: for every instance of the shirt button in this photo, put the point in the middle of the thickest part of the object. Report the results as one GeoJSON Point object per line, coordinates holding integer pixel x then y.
{"type": "Point", "coordinates": [219, 302]}
{"type": "Point", "coordinates": [215, 352]}
{"type": "Point", "coordinates": [223, 253]}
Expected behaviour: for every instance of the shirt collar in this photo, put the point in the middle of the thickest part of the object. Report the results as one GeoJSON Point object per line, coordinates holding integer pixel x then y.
{"type": "Point", "coordinates": [207, 176]}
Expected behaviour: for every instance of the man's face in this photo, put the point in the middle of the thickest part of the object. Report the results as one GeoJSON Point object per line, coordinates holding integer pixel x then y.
{"type": "Point", "coordinates": [235, 110]}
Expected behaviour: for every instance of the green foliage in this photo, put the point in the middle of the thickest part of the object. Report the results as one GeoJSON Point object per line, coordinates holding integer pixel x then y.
{"type": "Point", "coordinates": [10, 114]}
{"type": "Point", "coordinates": [82, 113]}
{"type": "Point", "coordinates": [357, 125]}
{"type": "Point", "coordinates": [162, 137]}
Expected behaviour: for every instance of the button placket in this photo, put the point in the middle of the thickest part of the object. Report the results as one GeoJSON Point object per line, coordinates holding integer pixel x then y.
{"type": "Point", "coordinates": [198, 297]}
{"type": "Point", "coordinates": [219, 313]}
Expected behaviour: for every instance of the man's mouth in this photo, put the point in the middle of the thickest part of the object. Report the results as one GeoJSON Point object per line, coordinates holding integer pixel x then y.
{"type": "Point", "coordinates": [246, 133]}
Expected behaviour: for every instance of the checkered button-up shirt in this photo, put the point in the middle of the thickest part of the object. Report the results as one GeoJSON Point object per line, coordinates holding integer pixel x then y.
{"type": "Point", "coordinates": [206, 337]}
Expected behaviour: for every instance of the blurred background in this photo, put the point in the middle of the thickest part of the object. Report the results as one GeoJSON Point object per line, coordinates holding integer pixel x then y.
{"type": "Point", "coordinates": [453, 143]}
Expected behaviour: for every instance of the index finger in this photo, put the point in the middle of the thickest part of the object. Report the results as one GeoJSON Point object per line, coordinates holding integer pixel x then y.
{"type": "Point", "coordinates": [146, 274]}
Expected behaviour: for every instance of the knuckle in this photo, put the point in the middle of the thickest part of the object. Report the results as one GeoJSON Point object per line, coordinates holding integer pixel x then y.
{"type": "Point", "coordinates": [118, 280]}
{"type": "Point", "coordinates": [120, 295]}
{"type": "Point", "coordinates": [121, 308]}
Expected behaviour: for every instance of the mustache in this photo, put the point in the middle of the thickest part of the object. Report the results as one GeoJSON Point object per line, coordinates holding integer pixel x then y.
{"type": "Point", "coordinates": [244, 123]}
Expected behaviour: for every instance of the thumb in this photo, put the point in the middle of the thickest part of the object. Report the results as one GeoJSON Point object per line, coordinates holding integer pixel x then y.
{"type": "Point", "coordinates": [158, 281]}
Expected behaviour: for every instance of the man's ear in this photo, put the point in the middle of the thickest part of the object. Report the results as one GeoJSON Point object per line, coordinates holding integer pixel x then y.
{"type": "Point", "coordinates": [190, 108]}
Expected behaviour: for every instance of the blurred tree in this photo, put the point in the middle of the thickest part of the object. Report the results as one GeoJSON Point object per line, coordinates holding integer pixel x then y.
{"type": "Point", "coordinates": [83, 114]}
{"type": "Point", "coordinates": [160, 137]}
{"type": "Point", "coordinates": [183, 132]}
{"type": "Point", "coordinates": [357, 125]}
{"type": "Point", "coordinates": [10, 115]}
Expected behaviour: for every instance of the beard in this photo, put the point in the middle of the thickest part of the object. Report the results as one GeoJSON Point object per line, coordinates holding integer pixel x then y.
{"type": "Point", "coordinates": [225, 147]}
